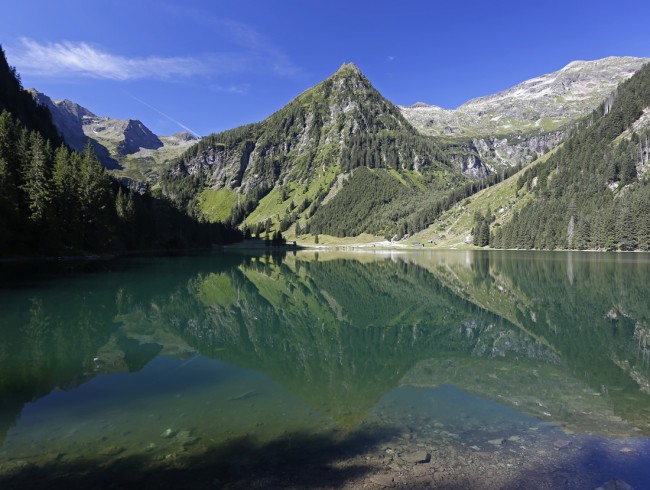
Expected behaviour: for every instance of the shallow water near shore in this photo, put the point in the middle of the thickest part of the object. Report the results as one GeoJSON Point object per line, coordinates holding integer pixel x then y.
{"type": "Point", "coordinates": [458, 369]}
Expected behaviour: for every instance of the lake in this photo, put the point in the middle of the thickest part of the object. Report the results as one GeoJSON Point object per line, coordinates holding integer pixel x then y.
{"type": "Point", "coordinates": [448, 369]}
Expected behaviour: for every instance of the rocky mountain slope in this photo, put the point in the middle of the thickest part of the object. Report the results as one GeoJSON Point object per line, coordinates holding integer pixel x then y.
{"type": "Point", "coordinates": [514, 126]}
{"type": "Point", "coordinates": [283, 168]}
{"type": "Point", "coordinates": [127, 147]}
{"type": "Point", "coordinates": [591, 192]}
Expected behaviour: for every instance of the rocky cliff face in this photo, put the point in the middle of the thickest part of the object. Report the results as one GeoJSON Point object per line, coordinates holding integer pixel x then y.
{"type": "Point", "coordinates": [124, 136]}
{"type": "Point", "coordinates": [117, 143]}
{"type": "Point", "coordinates": [496, 152]}
{"type": "Point", "coordinates": [509, 128]}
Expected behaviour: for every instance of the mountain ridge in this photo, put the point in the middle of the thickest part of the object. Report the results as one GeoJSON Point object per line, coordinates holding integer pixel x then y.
{"type": "Point", "coordinates": [514, 126]}
{"type": "Point", "coordinates": [282, 168]}
{"type": "Point", "coordinates": [118, 143]}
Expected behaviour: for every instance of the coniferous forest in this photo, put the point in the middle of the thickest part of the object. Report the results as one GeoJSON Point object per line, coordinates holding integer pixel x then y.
{"type": "Point", "coordinates": [57, 201]}
{"type": "Point", "coordinates": [589, 195]}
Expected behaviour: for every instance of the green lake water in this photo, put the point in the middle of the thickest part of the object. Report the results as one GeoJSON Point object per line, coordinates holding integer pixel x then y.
{"type": "Point", "coordinates": [325, 370]}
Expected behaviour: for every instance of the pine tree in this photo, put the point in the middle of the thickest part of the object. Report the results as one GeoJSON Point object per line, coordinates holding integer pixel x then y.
{"type": "Point", "coordinates": [484, 234]}
{"type": "Point", "coordinates": [628, 169]}
{"type": "Point", "coordinates": [124, 206]}
{"type": "Point", "coordinates": [37, 185]}
{"type": "Point", "coordinates": [65, 185]}
{"type": "Point", "coordinates": [94, 201]}
{"type": "Point", "coordinates": [627, 228]}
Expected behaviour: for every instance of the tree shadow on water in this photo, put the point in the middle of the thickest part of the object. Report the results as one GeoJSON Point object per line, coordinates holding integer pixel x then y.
{"type": "Point", "coordinates": [297, 460]}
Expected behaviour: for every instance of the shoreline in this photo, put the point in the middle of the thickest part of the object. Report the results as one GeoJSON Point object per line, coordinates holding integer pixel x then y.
{"type": "Point", "coordinates": [385, 245]}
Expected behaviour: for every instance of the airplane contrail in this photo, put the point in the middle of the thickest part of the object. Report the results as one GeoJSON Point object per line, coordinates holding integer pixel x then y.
{"type": "Point", "coordinates": [164, 115]}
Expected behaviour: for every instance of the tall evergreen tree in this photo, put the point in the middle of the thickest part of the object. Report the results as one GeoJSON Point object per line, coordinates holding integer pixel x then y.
{"type": "Point", "coordinates": [37, 179]}
{"type": "Point", "coordinates": [95, 202]}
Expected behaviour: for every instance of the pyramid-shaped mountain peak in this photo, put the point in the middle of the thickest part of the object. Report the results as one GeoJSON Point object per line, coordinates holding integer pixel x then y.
{"type": "Point", "coordinates": [349, 67]}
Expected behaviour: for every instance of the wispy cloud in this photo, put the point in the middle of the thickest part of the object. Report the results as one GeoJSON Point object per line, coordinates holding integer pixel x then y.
{"type": "Point", "coordinates": [264, 54]}
{"type": "Point", "coordinates": [255, 52]}
{"type": "Point", "coordinates": [390, 59]}
{"type": "Point", "coordinates": [66, 59]}
{"type": "Point", "coordinates": [231, 89]}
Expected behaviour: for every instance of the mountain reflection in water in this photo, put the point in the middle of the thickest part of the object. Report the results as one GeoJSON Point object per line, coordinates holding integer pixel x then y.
{"type": "Point", "coordinates": [318, 341]}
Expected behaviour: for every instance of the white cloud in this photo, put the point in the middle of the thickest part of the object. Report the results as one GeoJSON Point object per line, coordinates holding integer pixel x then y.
{"type": "Point", "coordinates": [390, 59]}
{"type": "Point", "coordinates": [65, 59]}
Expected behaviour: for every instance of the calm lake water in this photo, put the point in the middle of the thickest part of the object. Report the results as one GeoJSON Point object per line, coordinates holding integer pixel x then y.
{"type": "Point", "coordinates": [458, 369]}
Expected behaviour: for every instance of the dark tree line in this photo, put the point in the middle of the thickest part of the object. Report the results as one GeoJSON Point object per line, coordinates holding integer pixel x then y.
{"type": "Point", "coordinates": [481, 229]}
{"type": "Point", "coordinates": [53, 200]}
{"type": "Point", "coordinates": [60, 201]}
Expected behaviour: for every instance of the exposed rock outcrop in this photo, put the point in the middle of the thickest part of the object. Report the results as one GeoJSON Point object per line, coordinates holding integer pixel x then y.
{"type": "Point", "coordinates": [511, 127]}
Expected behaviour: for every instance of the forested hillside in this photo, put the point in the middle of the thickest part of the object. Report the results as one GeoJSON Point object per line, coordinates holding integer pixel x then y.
{"type": "Point", "coordinates": [53, 200]}
{"type": "Point", "coordinates": [594, 192]}
{"type": "Point", "coordinates": [338, 159]}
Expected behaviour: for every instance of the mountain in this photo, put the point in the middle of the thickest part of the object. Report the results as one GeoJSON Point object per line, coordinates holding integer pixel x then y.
{"type": "Point", "coordinates": [337, 144]}
{"type": "Point", "coordinates": [342, 160]}
{"type": "Point", "coordinates": [68, 118]}
{"type": "Point", "coordinates": [516, 125]}
{"type": "Point", "coordinates": [125, 146]}
{"type": "Point", "coordinates": [591, 192]}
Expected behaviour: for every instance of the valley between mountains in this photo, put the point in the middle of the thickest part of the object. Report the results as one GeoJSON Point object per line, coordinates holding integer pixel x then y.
{"type": "Point", "coordinates": [555, 162]}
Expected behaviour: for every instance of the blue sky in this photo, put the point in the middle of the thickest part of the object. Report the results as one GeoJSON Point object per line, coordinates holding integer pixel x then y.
{"type": "Point", "coordinates": [213, 65]}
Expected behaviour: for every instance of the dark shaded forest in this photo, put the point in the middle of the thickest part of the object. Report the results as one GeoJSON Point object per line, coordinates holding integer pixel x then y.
{"type": "Point", "coordinates": [56, 201]}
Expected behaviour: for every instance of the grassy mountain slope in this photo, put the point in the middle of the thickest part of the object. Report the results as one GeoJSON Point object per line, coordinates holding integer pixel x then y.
{"type": "Point", "coordinates": [590, 193]}
{"type": "Point", "coordinates": [454, 227]}
{"type": "Point", "coordinates": [292, 166]}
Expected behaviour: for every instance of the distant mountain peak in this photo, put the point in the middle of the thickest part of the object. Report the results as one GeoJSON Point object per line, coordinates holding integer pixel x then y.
{"type": "Point", "coordinates": [539, 105]}
{"type": "Point", "coordinates": [607, 61]}
{"type": "Point", "coordinates": [112, 139]}
{"type": "Point", "coordinates": [73, 108]}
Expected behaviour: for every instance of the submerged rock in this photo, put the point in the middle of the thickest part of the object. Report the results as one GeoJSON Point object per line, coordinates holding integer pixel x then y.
{"type": "Point", "coordinates": [561, 444]}
{"type": "Point", "coordinates": [385, 480]}
{"type": "Point", "coordinates": [497, 442]}
{"type": "Point", "coordinates": [417, 457]}
{"type": "Point", "coordinates": [167, 434]}
{"type": "Point", "coordinates": [111, 450]}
